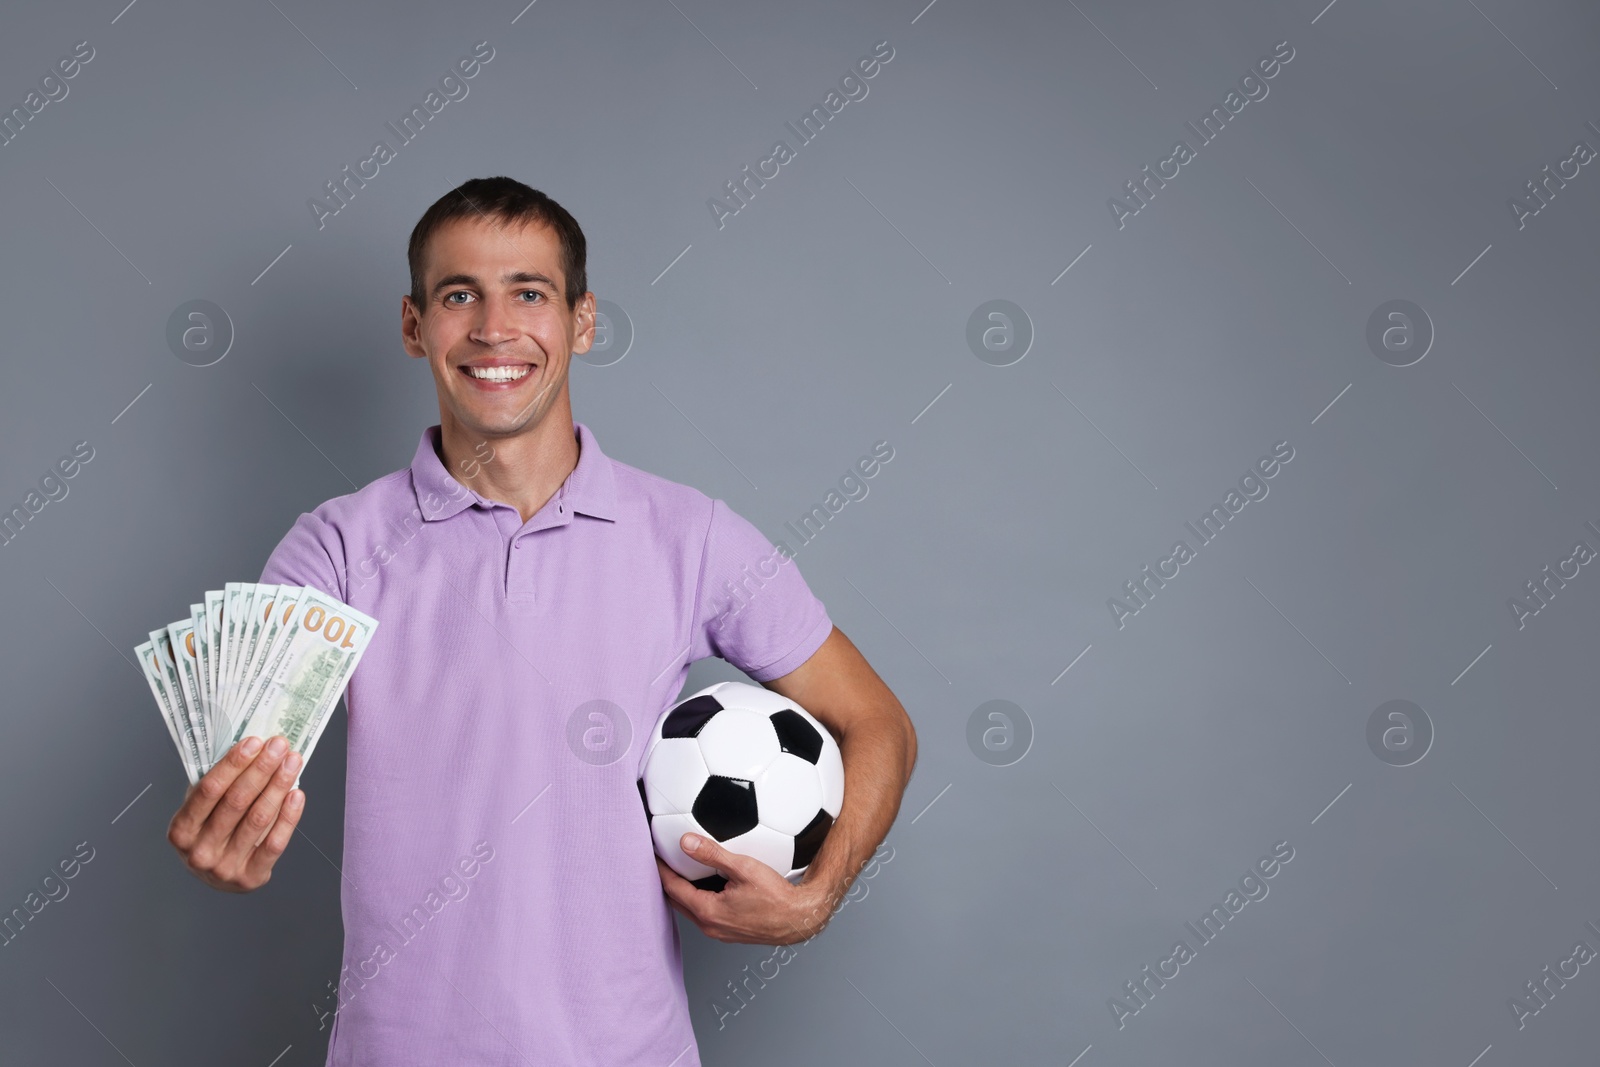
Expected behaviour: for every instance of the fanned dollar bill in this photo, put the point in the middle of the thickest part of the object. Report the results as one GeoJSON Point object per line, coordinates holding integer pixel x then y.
{"type": "Point", "coordinates": [276, 613]}
{"type": "Point", "coordinates": [317, 652]}
{"type": "Point", "coordinates": [202, 655]}
{"type": "Point", "coordinates": [232, 607]}
{"type": "Point", "coordinates": [153, 675]}
{"type": "Point", "coordinates": [181, 634]}
{"type": "Point", "coordinates": [252, 660]}
{"type": "Point", "coordinates": [245, 605]}
{"type": "Point", "coordinates": [168, 667]}
{"type": "Point", "coordinates": [213, 614]}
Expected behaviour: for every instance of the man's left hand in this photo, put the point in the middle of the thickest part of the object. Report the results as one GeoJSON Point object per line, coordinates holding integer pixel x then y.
{"type": "Point", "coordinates": [758, 906]}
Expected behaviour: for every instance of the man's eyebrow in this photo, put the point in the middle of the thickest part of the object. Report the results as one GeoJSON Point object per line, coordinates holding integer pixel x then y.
{"type": "Point", "coordinates": [531, 276]}
{"type": "Point", "coordinates": [521, 276]}
{"type": "Point", "coordinates": [454, 279]}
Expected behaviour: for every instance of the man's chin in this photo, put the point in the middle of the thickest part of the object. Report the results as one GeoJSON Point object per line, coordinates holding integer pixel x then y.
{"type": "Point", "coordinates": [500, 427]}
{"type": "Point", "coordinates": [499, 423]}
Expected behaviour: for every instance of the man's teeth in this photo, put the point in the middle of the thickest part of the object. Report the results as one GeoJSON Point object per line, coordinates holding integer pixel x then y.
{"type": "Point", "coordinates": [500, 374]}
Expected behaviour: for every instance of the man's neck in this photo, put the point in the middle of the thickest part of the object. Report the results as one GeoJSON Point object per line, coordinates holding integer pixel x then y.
{"type": "Point", "coordinates": [524, 470]}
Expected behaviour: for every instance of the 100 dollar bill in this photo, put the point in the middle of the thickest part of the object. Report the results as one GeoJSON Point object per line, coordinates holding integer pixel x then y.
{"type": "Point", "coordinates": [154, 676]}
{"type": "Point", "coordinates": [296, 691]}
{"type": "Point", "coordinates": [167, 666]}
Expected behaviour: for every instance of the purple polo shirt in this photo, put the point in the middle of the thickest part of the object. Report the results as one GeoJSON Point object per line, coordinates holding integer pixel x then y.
{"type": "Point", "coordinates": [500, 896]}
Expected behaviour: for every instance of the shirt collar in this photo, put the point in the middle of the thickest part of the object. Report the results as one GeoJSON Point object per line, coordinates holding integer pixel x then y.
{"type": "Point", "coordinates": [590, 489]}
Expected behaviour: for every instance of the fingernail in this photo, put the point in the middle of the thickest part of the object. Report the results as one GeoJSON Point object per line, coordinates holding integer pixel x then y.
{"type": "Point", "coordinates": [292, 764]}
{"type": "Point", "coordinates": [251, 746]}
{"type": "Point", "coordinates": [276, 746]}
{"type": "Point", "coordinates": [297, 798]}
{"type": "Point", "coordinates": [691, 843]}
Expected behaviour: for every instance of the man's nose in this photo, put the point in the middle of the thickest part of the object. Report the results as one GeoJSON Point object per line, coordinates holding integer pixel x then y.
{"type": "Point", "coordinates": [495, 323]}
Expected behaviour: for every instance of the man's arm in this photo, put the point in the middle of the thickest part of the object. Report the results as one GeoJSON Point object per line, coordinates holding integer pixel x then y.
{"type": "Point", "coordinates": [237, 819]}
{"type": "Point", "coordinates": [879, 748]}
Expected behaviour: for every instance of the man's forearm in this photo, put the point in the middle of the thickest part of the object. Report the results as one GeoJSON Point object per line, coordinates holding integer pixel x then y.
{"type": "Point", "coordinates": [878, 756]}
{"type": "Point", "coordinates": [878, 746]}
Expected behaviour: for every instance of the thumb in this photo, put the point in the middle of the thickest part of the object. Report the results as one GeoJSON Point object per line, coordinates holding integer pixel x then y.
{"type": "Point", "coordinates": [704, 850]}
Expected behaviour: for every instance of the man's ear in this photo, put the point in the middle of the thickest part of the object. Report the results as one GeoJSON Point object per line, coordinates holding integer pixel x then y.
{"type": "Point", "coordinates": [411, 327]}
{"type": "Point", "coordinates": [583, 336]}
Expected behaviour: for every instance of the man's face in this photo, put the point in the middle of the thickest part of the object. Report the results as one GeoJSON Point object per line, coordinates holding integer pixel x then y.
{"type": "Point", "coordinates": [494, 326]}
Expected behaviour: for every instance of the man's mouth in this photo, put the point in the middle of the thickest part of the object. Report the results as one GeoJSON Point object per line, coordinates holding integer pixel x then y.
{"type": "Point", "coordinates": [510, 372]}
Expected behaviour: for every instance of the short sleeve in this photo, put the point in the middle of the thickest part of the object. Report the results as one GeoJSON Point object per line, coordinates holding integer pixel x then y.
{"type": "Point", "coordinates": [753, 608]}
{"type": "Point", "coordinates": [311, 553]}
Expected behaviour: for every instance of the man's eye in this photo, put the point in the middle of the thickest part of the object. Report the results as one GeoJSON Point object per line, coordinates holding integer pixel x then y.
{"type": "Point", "coordinates": [459, 292]}
{"type": "Point", "coordinates": [531, 292]}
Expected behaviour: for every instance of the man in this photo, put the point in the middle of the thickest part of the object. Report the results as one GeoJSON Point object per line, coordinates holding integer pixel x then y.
{"type": "Point", "coordinates": [502, 903]}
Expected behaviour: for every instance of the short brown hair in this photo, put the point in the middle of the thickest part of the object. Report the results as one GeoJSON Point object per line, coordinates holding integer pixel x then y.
{"type": "Point", "coordinates": [510, 202]}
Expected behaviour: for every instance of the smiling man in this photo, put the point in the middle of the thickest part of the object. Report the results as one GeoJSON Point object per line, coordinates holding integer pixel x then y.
{"type": "Point", "coordinates": [523, 580]}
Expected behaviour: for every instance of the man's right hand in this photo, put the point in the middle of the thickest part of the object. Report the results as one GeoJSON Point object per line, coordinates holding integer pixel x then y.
{"type": "Point", "coordinates": [236, 820]}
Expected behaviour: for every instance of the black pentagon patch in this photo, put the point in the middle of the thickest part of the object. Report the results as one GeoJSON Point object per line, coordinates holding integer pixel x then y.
{"type": "Point", "coordinates": [807, 841]}
{"type": "Point", "coordinates": [713, 882]}
{"type": "Point", "coordinates": [726, 807]}
{"type": "Point", "coordinates": [687, 719]}
{"type": "Point", "coordinates": [797, 736]}
{"type": "Point", "coordinates": [644, 799]}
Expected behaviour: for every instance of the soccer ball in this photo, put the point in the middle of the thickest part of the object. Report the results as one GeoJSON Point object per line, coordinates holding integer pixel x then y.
{"type": "Point", "coordinates": [748, 768]}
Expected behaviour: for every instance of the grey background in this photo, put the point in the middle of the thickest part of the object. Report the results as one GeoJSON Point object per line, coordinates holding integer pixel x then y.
{"type": "Point", "coordinates": [1225, 317]}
